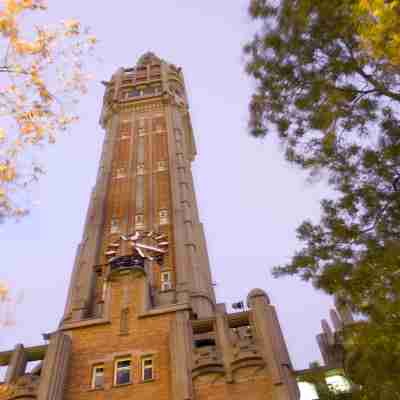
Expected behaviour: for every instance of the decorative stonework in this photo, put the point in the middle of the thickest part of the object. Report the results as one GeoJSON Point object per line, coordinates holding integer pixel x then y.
{"type": "Point", "coordinates": [25, 387]}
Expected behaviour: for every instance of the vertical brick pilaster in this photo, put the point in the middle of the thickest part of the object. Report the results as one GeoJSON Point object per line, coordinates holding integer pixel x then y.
{"type": "Point", "coordinates": [55, 365]}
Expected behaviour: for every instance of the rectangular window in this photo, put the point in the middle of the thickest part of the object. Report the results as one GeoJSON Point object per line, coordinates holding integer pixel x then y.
{"type": "Point", "coordinates": [139, 194]}
{"type": "Point", "coordinates": [139, 221]}
{"type": "Point", "coordinates": [162, 165]}
{"type": "Point", "coordinates": [140, 169]}
{"type": "Point", "coordinates": [147, 369]}
{"type": "Point", "coordinates": [114, 228]}
{"type": "Point", "coordinates": [124, 323]}
{"type": "Point", "coordinates": [133, 93]}
{"type": "Point", "coordinates": [164, 217]}
{"type": "Point", "coordinates": [122, 373]}
{"type": "Point", "coordinates": [120, 173]}
{"type": "Point", "coordinates": [166, 281]}
{"type": "Point", "coordinates": [98, 376]}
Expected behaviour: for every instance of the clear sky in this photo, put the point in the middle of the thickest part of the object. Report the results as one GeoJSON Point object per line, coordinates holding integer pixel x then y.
{"type": "Point", "coordinates": [250, 199]}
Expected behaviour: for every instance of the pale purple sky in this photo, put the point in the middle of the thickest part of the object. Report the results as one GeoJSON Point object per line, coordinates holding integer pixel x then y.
{"type": "Point", "coordinates": [250, 199]}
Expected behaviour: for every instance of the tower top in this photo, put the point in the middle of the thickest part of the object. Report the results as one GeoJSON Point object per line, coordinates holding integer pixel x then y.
{"type": "Point", "coordinates": [148, 58]}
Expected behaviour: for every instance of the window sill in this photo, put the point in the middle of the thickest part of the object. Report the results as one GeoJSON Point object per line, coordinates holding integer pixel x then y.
{"type": "Point", "coordinates": [122, 385]}
{"type": "Point", "coordinates": [96, 389]}
{"type": "Point", "coordinates": [148, 381]}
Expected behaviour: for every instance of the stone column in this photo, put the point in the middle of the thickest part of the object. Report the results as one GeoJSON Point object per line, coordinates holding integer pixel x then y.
{"type": "Point", "coordinates": [181, 357]}
{"type": "Point", "coordinates": [83, 280]}
{"type": "Point", "coordinates": [224, 341]}
{"type": "Point", "coordinates": [269, 336]}
{"type": "Point", "coordinates": [183, 277]}
{"type": "Point", "coordinates": [55, 367]}
{"type": "Point", "coordinates": [17, 365]}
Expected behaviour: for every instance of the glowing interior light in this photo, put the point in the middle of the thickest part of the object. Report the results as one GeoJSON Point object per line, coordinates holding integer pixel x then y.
{"type": "Point", "coordinates": [338, 383]}
{"type": "Point", "coordinates": [307, 391]}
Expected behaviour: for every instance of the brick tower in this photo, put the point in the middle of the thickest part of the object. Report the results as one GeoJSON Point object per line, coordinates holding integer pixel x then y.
{"type": "Point", "coordinates": [141, 320]}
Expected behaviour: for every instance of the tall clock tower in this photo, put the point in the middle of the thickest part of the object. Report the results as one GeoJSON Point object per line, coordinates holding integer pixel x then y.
{"type": "Point", "coordinates": [141, 319]}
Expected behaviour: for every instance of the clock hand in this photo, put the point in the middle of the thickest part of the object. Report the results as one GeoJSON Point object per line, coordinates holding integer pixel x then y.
{"type": "Point", "coordinates": [141, 252]}
{"type": "Point", "coordinates": [144, 246]}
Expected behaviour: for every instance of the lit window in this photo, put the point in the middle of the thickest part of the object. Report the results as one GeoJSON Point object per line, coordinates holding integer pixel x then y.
{"type": "Point", "coordinates": [166, 281]}
{"type": "Point", "coordinates": [114, 228]}
{"type": "Point", "coordinates": [162, 165]}
{"type": "Point", "coordinates": [139, 221]}
{"type": "Point", "coordinates": [147, 369]}
{"type": "Point", "coordinates": [338, 383]}
{"type": "Point", "coordinates": [164, 217]}
{"type": "Point", "coordinates": [307, 391]}
{"type": "Point", "coordinates": [122, 371]}
{"type": "Point", "coordinates": [98, 376]}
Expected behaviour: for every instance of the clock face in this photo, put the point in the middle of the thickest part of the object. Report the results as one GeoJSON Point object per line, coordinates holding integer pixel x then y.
{"type": "Point", "coordinates": [152, 246]}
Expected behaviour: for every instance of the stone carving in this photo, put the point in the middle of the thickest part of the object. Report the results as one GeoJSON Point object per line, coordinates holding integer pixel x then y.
{"type": "Point", "coordinates": [25, 387]}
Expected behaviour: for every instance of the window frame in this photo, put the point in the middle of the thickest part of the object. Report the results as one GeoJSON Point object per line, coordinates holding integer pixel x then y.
{"type": "Point", "coordinates": [140, 169]}
{"type": "Point", "coordinates": [166, 284]}
{"type": "Point", "coordinates": [162, 165]}
{"type": "Point", "coordinates": [143, 359]}
{"type": "Point", "coordinates": [139, 221]}
{"type": "Point", "coordinates": [114, 226]}
{"type": "Point", "coordinates": [163, 216]}
{"type": "Point", "coordinates": [94, 375]}
{"type": "Point", "coordinates": [120, 173]}
{"type": "Point", "coordinates": [116, 369]}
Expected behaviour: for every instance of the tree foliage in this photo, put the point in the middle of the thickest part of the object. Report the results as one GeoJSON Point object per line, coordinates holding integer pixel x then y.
{"type": "Point", "coordinates": [379, 28]}
{"type": "Point", "coordinates": [334, 103]}
{"type": "Point", "coordinates": [43, 74]}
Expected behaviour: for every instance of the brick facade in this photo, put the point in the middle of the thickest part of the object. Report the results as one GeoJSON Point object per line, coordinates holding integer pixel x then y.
{"type": "Point", "coordinates": [156, 303]}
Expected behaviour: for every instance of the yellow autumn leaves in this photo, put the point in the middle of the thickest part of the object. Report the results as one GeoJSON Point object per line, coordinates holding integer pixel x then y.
{"type": "Point", "coordinates": [3, 291]}
{"type": "Point", "coordinates": [11, 9]}
{"type": "Point", "coordinates": [379, 28]}
{"type": "Point", "coordinates": [47, 75]}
